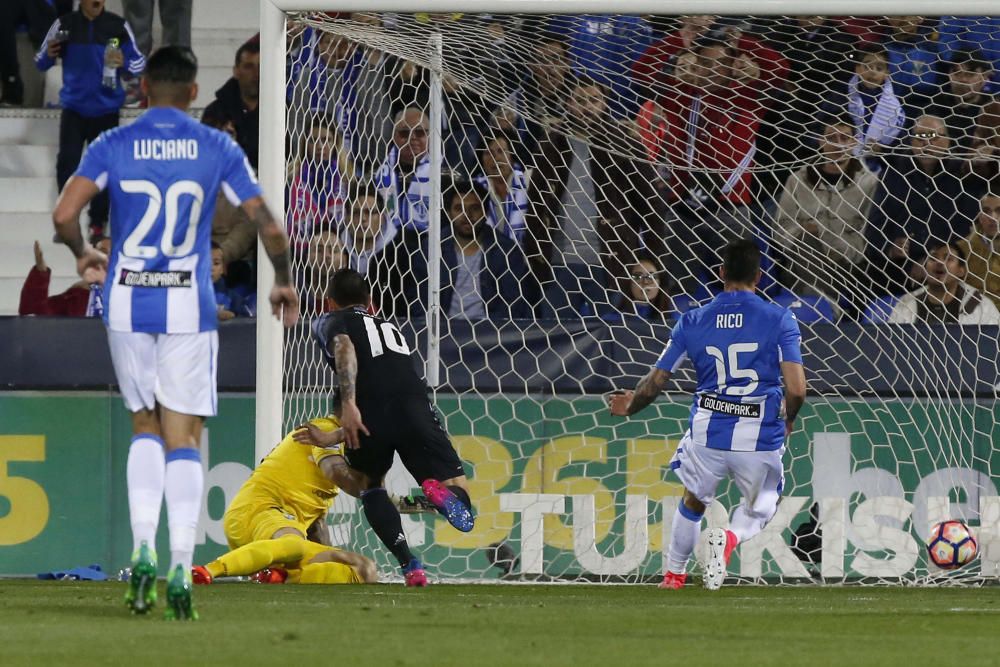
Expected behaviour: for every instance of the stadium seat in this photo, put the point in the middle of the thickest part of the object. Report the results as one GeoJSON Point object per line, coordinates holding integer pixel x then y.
{"type": "Point", "coordinates": [683, 303]}
{"type": "Point", "coordinates": [768, 269]}
{"type": "Point", "coordinates": [878, 311]}
{"type": "Point", "coordinates": [576, 290]}
{"type": "Point", "coordinates": [807, 309]}
{"type": "Point", "coordinates": [704, 293]}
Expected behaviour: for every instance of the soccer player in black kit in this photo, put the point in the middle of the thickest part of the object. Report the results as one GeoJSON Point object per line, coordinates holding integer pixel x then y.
{"type": "Point", "coordinates": [384, 408]}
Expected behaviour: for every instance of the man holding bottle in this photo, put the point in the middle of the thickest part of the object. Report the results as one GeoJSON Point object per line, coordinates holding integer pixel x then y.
{"type": "Point", "coordinates": [94, 45]}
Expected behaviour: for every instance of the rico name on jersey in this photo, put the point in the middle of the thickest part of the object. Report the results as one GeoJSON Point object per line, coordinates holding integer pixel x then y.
{"type": "Point", "coordinates": [386, 366]}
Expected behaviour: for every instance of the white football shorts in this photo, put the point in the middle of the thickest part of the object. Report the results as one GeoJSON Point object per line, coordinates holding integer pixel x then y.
{"type": "Point", "coordinates": [759, 476]}
{"type": "Point", "coordinates": [178, 371]}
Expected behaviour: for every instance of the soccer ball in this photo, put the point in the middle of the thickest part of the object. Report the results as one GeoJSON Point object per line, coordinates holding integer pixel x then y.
{"type": "Point", "coordinates": [951, 545]}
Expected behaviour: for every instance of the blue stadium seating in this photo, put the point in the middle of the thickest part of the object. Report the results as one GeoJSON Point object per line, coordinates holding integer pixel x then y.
{"type": "Point", "coordinates": [879, 310]}
{"type": "Point", "coordinates": [683, 303]}
{"type": "Point", "coordinates": [807, 309]}
{"type": "Point", "coordinates": [576, 290]}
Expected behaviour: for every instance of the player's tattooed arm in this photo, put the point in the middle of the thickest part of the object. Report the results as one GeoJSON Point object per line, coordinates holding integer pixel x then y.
{"type": "Point", "coordinates": [272, 235]}
{"type": "Point", "coordinates": [347, 374]}
{"type": "Point", "coordinates": [347, 366]}
{"type": "Point", "coordinates": [648, 389]}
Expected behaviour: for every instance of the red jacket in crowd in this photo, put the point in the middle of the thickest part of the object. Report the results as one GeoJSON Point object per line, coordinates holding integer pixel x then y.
{"type": "Point", "coordinates": [35, 299]}
{"type": "Point", "coordinates": [705, 131]}
{"type": "Point", "coordinates": [651, 69]}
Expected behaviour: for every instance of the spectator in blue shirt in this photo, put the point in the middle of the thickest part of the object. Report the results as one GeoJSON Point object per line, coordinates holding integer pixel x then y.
{"type": "Point", "coordinates": [228, 302]}
{"type": "Point", "coordinates": [92, 43]}
{"type": "Point", "coordinates": [915, 59]}
{"type": "Point", "coordinates": [962, 33]}
{"type": "Point", "coordinates": [604, 47]}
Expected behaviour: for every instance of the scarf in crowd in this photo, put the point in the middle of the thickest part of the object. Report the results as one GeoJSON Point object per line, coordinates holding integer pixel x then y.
{"type": "Point", "coordinates": [508, 216]}
{"type": "Point", "coordinates": [409, 208]}
{"type": "Point", "coordinates": [886, 121]}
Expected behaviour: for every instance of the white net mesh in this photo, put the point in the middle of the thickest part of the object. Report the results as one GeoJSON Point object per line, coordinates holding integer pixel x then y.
{"type": "Point", "coordinates": [592, 168]}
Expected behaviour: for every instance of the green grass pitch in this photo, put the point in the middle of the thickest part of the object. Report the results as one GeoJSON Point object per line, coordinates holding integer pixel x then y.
{"type": "Point", "coordinates": [66, 623]}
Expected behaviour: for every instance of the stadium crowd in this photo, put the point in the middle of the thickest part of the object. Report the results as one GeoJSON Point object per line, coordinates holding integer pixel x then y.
{"type": "Point", "coordinates": [594, 164]}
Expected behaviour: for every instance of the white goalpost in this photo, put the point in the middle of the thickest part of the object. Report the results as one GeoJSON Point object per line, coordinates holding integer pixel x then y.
{"type": "Point", "coordinates": [610, 176]}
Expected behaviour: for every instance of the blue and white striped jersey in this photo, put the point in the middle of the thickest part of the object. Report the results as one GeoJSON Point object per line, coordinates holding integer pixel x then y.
{"type": "Point", "coordinates": [163, 173]}
{"type": "Point", "coordinates": [736, 343]}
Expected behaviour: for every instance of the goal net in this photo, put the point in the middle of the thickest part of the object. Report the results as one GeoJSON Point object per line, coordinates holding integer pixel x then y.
{"type": "Point", "coordinates": [583, 172]}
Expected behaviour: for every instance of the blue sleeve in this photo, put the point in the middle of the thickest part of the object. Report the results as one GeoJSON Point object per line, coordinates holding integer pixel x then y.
{"type": "Point", "coordinates": [789, 339]}
{"type": "Point", "coordinates": [675, 352]}
{"type": "Point", "coordinates": [320, 335]}
{"type": "Point", "coordinates": [236, 303]}
{"type": "Point", "coordinates": [250, 305]}
{"type": "Point", "coordinates": [96, 162]}
{"type": "Point", "coordinates": [295, 66]}
{"type": "Point", "coordinates": [239, 183]}
{"type": "Point", "coordinates": [325, 328]}
{"type": "Point", "coordinates": [42, 59]}
{"type": "Point", "coordinates": [134, 60]}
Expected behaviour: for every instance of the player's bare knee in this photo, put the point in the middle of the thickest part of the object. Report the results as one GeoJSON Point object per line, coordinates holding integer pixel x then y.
{"type": "Point", "coordinates": [692, 503]}
{"type": "Point", "coordinates": [145, 421]}
{"type": "Point", "coordinates": [179, 430]}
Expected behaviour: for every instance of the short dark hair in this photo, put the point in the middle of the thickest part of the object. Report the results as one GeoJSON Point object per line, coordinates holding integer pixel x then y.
{"type": "Point", "coordinates": [935, 244]}
{"type": "Point", "coordinates": [712, 39]}
{"type": "Point", "coordinates": [834, 119]}
{"type": "Point", "coordinates": [251, 46]}
{"type": "Point", "coordinates": [460, 187]}
{"type": "Point", "coordinates": [349, 288]}
{"type": "Point", "coordinates": [216, 246]}
{"type": "Point", "coordinates": [741, 260]}
{"type": "Point", "coordinates": [646, 256]}
{"type": "Point", "coordinates": [361, 189]}
{"type": "Point", "coordinates": [172, 64]}
{"type": "Point", "coordinates": [869, 49]}
{"type": "Point", "coordinates": [496, 135]}
{"type": "Point", "coordinates": [969, 58]}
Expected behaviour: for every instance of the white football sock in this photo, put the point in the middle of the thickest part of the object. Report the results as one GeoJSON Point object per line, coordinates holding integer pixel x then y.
{"type": "Point", "coordinates": [683, 536]}
{"type": "Point", "coordinates": [144, 474]}
{"type": "Point", "coordinates": [183, 491]}
{"type": "Point", "coordinates": [745, 525]}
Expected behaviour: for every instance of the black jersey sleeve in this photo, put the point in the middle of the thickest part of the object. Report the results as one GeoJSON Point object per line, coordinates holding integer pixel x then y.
{"type": "Point", "coordinates": [325, 328]}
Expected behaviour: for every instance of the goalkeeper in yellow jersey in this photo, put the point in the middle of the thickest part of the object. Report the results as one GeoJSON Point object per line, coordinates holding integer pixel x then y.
{"type": "Point", "coordinates": [267, 523]}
